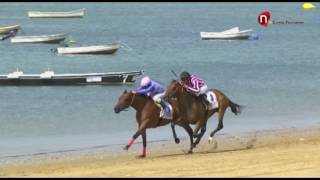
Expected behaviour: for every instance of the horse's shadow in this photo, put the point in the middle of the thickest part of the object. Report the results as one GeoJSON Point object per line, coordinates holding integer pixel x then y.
{"type": "Point", "coordinates": [184, 152]}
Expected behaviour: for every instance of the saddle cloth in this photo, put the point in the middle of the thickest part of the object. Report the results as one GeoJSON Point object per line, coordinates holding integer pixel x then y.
{"type": "Point", "coordinates": [167, 115]}
{"type": "Point", "coordinates": [212, 99]}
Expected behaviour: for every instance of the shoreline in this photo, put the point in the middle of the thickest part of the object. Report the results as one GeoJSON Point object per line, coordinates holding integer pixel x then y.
{"type": "Point", "coordinates": [285, 152]}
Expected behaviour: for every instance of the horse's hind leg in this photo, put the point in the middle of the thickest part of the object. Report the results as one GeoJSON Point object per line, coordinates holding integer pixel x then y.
{"type": "Point", "coordinates": [176, 139]}
{"type": "Point", "coordinates": [220, 124]}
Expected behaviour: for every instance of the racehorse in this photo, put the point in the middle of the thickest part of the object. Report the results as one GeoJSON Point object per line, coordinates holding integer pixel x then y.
{"type": "Point", "coordinates": [195, 111]}
{"type": "Point", "coordinates": [147, 116]}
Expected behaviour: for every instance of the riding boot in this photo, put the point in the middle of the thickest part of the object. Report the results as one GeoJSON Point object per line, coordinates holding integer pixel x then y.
{"type": "Point", "coordinates": [165, 108]}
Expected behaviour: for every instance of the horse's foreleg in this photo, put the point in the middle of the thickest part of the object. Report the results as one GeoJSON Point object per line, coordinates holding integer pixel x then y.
{"type": "Point", "coordinates": [144, 142]}
{"type": "Point", "coordinates": [203, 130]}
{"type": "Point", "coordinates": [189, 131]}
{"type": "Point", "coordinates": [196, 130]}
{"type": "Point", "coordinates": [176, 139]}
{"type": "Point", "coordinates": [142, 128]}
{"type": "Point", "coordinates": [131, 140]}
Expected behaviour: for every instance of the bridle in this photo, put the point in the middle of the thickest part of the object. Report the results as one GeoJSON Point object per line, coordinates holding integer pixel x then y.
{"type": "Point", "coordinates": [134, 95]}
{"type": "Point", "coordinates": [180, 88]}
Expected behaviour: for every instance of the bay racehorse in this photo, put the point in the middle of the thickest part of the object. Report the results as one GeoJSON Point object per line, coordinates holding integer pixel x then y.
{"type": "Point", "coordinates": [147, 116]}
{"type": "Point", "coordinates": [195, 111]}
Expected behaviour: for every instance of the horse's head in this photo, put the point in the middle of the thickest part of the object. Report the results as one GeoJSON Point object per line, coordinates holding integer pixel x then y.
{"type": "Point", "coordinates": [124, 101]}
{"type": "Point", "coordinates": [173, 88]}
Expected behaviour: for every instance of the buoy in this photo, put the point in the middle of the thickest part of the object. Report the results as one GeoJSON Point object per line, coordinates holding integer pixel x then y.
{"type": "Point", "coordinates": [254, 36]}
{"type": "Point", "coordinates": [71, 40]}
{"type": "Point", "coordinates": [308, 6]}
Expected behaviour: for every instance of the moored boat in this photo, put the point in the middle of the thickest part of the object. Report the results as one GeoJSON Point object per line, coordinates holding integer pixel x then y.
{"type": "Point", "coordinates": [57, 14]}
{"type": "Point", "coordinates": [54, 38]}
{"type": "Point", "coordinates": [233, 33]}
{"type": "Point", "coordinates": [95, 49]}
{"type": "Point", "coordinates": [51, 78]}
{"type": "Point", "coordinates": [8, 29]}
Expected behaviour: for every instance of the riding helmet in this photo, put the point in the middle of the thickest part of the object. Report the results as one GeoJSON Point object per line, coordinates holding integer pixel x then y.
{"type": "Point", "coordinates": [145, 81]}
{"type": "Point", "coordinates": [184, 75]}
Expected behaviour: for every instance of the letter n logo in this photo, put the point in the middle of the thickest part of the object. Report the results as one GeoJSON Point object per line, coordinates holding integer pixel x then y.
{"type": "Point", "coordinates": [264, 18]}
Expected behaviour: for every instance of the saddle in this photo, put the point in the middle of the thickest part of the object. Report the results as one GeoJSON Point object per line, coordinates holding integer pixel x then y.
{"type": "Point", "coordinates": [163, 113]}
{"type": "Point", "coordinates": [212, 100]}
{"type": "Point", "coordinates": [209, 99]}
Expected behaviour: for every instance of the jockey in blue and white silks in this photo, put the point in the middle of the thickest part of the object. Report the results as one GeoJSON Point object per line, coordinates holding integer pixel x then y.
{"type": "Point", "coordinates": [153, 89]}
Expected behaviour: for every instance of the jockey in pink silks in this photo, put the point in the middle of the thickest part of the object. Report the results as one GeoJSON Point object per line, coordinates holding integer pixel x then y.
{"type": "Point", "coordinates": [194, 84]}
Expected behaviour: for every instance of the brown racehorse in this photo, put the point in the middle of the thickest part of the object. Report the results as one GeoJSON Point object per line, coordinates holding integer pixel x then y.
{"type": "Point", "coordinates": [147, 116]}
{"type": "Point", "coordinates": [194, 110]}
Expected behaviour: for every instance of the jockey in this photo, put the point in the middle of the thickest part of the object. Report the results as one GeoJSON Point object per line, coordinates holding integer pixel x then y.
{"type": "Point", "coordinates": [194, 84]}
{"type": "Point", "coordinates": [153, 89]}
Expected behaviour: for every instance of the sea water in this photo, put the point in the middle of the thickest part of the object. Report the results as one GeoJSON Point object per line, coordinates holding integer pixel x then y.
{"type": "Point", "coordinates": [276, 78]}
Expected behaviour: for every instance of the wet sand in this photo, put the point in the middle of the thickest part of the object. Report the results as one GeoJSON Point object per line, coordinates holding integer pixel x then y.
{"type": "Point", "coordinates": [275, 153]}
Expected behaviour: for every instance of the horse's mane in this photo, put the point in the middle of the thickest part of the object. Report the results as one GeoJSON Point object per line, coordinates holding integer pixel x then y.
{"type": "Point", "coordinates": [145, 96]}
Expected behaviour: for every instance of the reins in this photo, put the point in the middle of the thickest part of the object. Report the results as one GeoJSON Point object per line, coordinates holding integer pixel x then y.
{"type": "Point", "coordinates": [134, 95]}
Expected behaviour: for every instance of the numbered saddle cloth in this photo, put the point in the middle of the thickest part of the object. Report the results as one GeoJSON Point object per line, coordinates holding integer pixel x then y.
{"type": "Point", "coordinates": [166, 115]}
{"type": "Point", "coordinates": [212, 99]}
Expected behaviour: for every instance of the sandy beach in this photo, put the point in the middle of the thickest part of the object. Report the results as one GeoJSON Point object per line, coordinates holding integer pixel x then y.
{"type": "Point", "coordinates": [276, 153]}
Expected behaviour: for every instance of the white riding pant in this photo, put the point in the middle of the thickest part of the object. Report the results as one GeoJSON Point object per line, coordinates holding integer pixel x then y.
{"type": "Point", "coordinates": [157, 97]}
{"type": "Point", "coordinates": [203, 90]}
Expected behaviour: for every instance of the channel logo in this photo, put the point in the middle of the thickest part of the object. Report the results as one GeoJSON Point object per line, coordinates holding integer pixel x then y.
{"type": "Point", "coordinates": [264, 18]}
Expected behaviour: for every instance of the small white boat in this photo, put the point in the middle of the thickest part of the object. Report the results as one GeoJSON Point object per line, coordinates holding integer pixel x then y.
{"type": "Point", "coordinates": [54, 38]}
{"type": "Point", "coordinates": [8, 29]}
{"type": "Point", "coordinates": [96, 49]}
{"type": "Point", "coordinates": [65, 14]}
{"type": "Point", "coordinates": [233, 33]}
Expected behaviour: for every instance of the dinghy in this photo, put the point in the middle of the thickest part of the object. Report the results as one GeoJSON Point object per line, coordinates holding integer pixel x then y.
{"type": "Point", "coordinates": [54, 38]}
{"type": "Point", "coordinates": [65, 14]}
{"type": "Point", "coordinates": [233, 33]}
{"type": "Point", "coordinates": [8, 29]}
{"type": "Point", "coordinates": [96, 49]}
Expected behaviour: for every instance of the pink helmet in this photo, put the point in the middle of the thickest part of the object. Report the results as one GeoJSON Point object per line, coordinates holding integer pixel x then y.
{"type": "Point", "coordinates": [145, 81]}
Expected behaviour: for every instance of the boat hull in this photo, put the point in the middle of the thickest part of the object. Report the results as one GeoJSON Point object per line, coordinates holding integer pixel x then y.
{"type": "Point", "coordinates": [8, 29]}
{"type": "Point", "coordinates": [227, 35]}
{"type": "Point", "coordinates": [39, 39]}
{"type": "Point", "coordinates": [70, 14]}
{"type": "Point", "coordinates": [227, 38]}
{"type": "Point", "coordinates": [88, 50]}
{"type": "Point", "coordinates": [107, 79]}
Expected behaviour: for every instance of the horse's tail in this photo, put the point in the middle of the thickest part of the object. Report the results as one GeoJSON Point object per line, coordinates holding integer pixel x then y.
{"type": "Point", "coordinates": [235, 108]}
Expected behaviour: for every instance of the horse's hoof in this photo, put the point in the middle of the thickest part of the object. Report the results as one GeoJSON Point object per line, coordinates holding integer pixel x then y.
{"type": "Point", "coordinates": [213, 142]}
{"type": "Point", "coordinates": [190, 152]}
{"type": "Point", "coordinates": [141, 156]}
{"type": "Point", "coordinates": [210, 140]}
{"type": "Point", "coordinates": [126, 148]}
{"type": "Point", "coordinates": [177, 140]}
